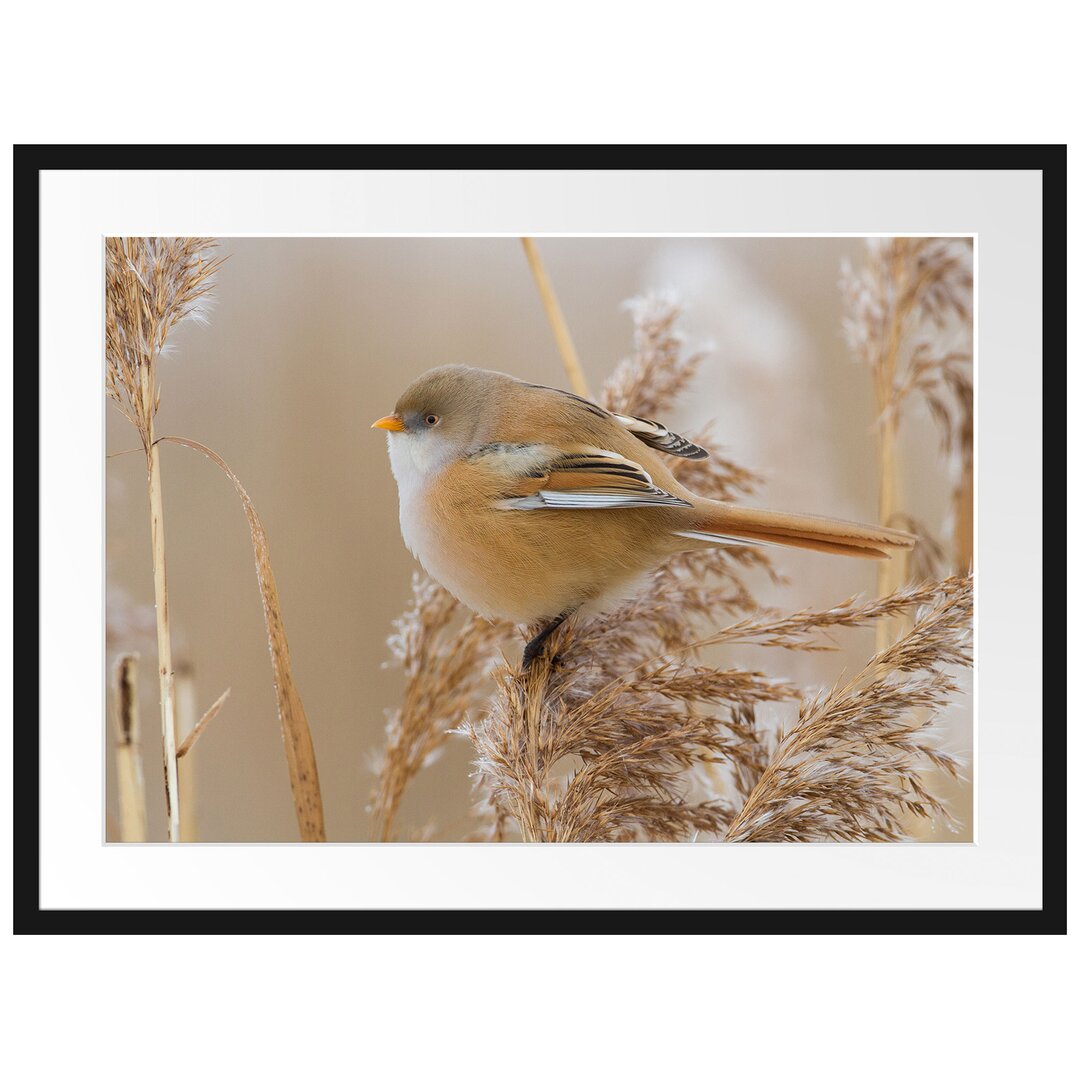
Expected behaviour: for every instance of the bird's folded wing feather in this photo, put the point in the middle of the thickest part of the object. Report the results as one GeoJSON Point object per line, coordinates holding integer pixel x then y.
{"type": "Point", "coordinates": [650, 432]}
{"type": "Point", "coordinates": [539, 477]}
{"type": "Point", "coordinates": [660, 438]}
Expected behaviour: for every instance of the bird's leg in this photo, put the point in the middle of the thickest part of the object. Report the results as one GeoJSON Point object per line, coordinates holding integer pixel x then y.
{"type": "Point", "coordinates": [536, 645]}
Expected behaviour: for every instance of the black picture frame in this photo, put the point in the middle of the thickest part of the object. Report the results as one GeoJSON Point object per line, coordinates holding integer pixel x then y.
{"type": "Point", "coordinates": [31, 160]}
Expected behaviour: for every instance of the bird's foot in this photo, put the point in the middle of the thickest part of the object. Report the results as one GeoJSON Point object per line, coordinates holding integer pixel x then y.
{"type": "Point", "coordinates": [536, 645]}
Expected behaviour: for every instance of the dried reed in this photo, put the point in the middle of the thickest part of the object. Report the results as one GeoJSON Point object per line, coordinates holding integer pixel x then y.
{"type": "Point", "coordinates": [129, 773]}
{"type": "Point", "coordinates": [200, 726]}
{"type": "Point", "coordinates": [898, 305]}
{"type": "Point", "coordinates": [849, 769]}
{"type": "Point", "coordinates": [554, 314]}
{"type": "Point", "coordinates": [296, 734]}
{"type": "Point", "coordinates": [186, 722]}
{"type": "Point", "coordinates": [447, 656]}
{"type": "Point", "coordinates": [151, 285]}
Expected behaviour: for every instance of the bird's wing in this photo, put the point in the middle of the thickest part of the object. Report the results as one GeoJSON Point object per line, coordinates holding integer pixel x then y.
{"type": "Point", "coordinates": [650, 432]}
{"type": "Point", "coordinates": [660, 438]}
{"type": "Point", "coordinates": [539, 477]}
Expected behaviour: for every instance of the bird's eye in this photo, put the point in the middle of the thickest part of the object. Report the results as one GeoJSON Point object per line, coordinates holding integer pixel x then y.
{"type": "Point", "coordinates": [431, 419]}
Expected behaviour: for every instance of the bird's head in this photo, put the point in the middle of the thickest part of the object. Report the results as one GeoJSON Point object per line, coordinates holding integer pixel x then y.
{"type": "Point", "coordinates": [442, 415]}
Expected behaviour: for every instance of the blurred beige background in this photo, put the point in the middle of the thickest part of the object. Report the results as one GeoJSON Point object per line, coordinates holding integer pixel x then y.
{"type": "Point", "coordinates": [310, 340]}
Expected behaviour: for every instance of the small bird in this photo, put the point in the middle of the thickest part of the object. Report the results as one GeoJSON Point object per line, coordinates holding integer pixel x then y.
{"type": "Point", "coordinates": [530, 504]}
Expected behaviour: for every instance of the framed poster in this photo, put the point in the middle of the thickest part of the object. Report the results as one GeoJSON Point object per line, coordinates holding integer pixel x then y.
{"type": "Point", "coordinates": [667, 408]}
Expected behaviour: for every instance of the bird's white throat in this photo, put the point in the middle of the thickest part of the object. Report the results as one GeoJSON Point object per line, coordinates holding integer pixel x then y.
{"type": "Point", "coordinates": [415, 458]}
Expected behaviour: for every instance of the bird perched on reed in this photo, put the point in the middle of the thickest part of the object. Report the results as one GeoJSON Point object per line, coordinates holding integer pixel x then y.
{"type": "Point", "coordinates": [531, 504]}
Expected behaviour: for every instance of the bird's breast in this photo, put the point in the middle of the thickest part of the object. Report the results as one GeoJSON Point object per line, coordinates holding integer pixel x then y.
{"type": "Point", "coordinates": [413, 478]}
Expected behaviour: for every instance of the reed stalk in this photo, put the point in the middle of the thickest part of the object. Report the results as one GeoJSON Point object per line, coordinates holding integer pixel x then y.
{"type": "Point", "coordinates": [295, 731]}
{"type": "Point", "coordinates": [186, 720]}
{"type": "Point", "coordinates": [129, 773]}
{"type": "Point", "coordinates": [892, 572]}
{"type": "Point", "coordinates": [563, 341]}
{"type": "Point", "coordinates": [166, 676]}
{"type": "Point", "coordinates": [898, 309]}
{"type": "Point", "coordinates": [151, 285]}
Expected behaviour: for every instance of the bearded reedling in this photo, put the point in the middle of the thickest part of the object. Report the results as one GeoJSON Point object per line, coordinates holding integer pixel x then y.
{"type": "Point", "coordinates": [500, 483]}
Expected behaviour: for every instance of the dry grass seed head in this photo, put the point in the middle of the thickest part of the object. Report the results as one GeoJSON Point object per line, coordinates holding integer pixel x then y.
{"type": "Point", "coordinates": [151, 285]}
{"type": "Point", "coordinates": [850, 767]}
{"type": "Point", "coordinates": [447, 656]}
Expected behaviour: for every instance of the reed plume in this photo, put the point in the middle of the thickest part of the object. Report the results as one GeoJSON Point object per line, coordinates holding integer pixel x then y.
{"type": "Point", "coordinates": [901, 307]}
{"type": "Point", "coordinates": [849, 769]}
{"type": "Point", "coordinates": [446, 655]}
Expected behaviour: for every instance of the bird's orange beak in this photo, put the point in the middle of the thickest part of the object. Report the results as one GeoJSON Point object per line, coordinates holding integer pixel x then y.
{"type": "Point", "coordinates": [390, 423]}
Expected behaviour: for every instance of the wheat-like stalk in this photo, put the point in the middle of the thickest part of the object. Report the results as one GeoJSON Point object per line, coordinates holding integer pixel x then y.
{"type": "Point", "coordinates": [151, 285]}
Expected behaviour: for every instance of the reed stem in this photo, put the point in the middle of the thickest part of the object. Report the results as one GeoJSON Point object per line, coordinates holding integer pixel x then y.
{"type": "Point", "coordinates": [166, 676]}
{"type": "Point", "coordinates": [296, 734]}
{"type": "Point", "coordinates": [130, 785]}
{"type": "Point", "coordinates": [892, 572]}
{"type": "Point", "coordinates": [186, 719]}
{"type": "Point", "coordinates": [555, 317]}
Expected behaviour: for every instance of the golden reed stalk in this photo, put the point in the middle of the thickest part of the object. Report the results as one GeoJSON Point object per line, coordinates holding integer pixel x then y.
{"type": "Point", "coordinates": [892, 573]}
{"type": "Point", "coordinates": [166, 676]}
{"type": "Point", "coordinates": [150, 286]}
{"type": "Point", "coordinates": [295, 731]}
{"type": "Point", "coordinates": [554, 314]}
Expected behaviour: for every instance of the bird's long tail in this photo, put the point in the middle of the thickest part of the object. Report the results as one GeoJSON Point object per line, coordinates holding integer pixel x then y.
{"type": "Point", "coordinates": [722, 523]}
